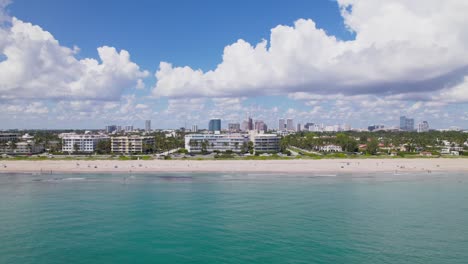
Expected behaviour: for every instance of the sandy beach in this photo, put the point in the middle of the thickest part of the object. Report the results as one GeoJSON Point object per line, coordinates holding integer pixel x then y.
{"type": "Point", "coordinates": [272, 166]}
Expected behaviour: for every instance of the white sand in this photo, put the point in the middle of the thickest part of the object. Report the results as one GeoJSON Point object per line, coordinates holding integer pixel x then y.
{"type": "Point", "coordinates": [280, 166]}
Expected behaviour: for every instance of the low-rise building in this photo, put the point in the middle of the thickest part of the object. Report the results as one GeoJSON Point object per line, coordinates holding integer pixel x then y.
{"type": "Point", "coordinates": [5, 137]}
{"type": "Point", "coordinates": [131, 144]}
{"type": "Point", "coordinates": [21, 148]}
{"type": "Point", "coordinates": [81, 142]}
{"type": "Point", "coordinates": [196, 143]}
{"type": "Point", "coordinates": [331, 148]}
{"type": "Point", "coordinates": [265, 142]}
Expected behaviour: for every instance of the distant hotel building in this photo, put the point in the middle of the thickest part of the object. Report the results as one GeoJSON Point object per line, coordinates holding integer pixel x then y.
{"type": "Point", "coordinates": [214, 125]}
{"type": "Point", "coordinates": [131, 144]}
{"type": "Point", "coordinates": [194, 128]}
{"type": "Point", "coordinates": [406, 124]}
{"type": "Point", "coordinates": [81, 142]}
{"type": "Point", "coordinates": [214, 142]}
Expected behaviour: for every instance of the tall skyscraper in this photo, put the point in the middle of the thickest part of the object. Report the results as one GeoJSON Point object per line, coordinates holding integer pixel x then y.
{"type": "Point", "coordinates": [281, 125]}
{"type": "Point", "coordinates": [406, 124]}
{"type": "Point", "coordinates": [289, 124]}
{"type": "Point", "coordinates": [148, 125]}
{"type": "Point", "coordinates": [251, 125]}
{"type": "Point", "coordinates": [194, 128]}
{"type": "Point", "coordinates": [299, 127]}
{"type": "Point", "coordinates": [214, 125]}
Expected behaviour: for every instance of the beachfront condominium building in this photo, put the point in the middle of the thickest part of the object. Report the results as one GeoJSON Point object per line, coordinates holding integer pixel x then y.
{"type": "Point", "coordinates": [214, 125]}
{"type": "Point", "coordinates": [281, 124]}
{"type": "Point", "coordinates": [148, 125]}
{"type": "Point", "coordinates": [81, 142]}
{"type": "Point", "coordinates": [406, 124]}
{"type": "Point", "coordinates": [265, 143]}
{"type": "Point", "coordinates": [234, 127]}
{"type": "Point", "coordinates": [196, 143]}
{"type": "Point", "coordinates": [289, 124]}
{"type": "Point", "coordinates": [19, 148]}
{"type": "Point", "coordinates": [131, 144]}
{"type": "Point", "coordinates": [6, 137]}
{"type": "Point", "coordinates": [423, 127]}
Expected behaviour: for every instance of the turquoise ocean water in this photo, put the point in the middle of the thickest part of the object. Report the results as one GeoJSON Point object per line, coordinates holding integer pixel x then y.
{"type": "Point", "coordinates": [233, 218]}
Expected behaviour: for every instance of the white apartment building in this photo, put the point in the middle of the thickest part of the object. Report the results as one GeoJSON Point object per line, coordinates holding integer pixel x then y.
{"type": "Point", "coordinates": [265, 142]}
{"type": "Point", "coordinates": [214, 142]}
{"type": "Point", "coordinates": [24, 147]}
{"type": "Point", "coordinates": [131, 144]}
{"type": "Point", "coordinates": [82, 142]}
{"type": "Point", "coordinates": [331, 148]}
{"type": "Point", "coordinates": [8, 137]}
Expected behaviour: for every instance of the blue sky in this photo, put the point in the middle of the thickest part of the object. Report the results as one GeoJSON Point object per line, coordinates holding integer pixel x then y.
{"type": "Point", "coordinates": [358, 62]}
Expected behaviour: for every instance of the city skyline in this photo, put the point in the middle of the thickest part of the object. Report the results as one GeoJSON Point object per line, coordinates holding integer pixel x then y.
{"type": "Point", "coordinates": [322, 61]}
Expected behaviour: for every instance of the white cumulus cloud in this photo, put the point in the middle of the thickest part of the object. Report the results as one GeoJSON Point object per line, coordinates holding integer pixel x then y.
{"type": "Point", "coordinates": [399, 47]}
{"type": "Point", "coordinates": [36, 66]}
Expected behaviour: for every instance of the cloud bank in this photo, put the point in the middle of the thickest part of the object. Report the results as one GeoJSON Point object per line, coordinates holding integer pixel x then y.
{"type": "Point", "coordinates": [400, 47]}
{"type": "Point", "coordinates": [33, 65]}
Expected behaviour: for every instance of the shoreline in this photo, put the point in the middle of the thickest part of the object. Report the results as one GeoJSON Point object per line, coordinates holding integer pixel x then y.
{"type": "Point", "coordinates": [235, 166]}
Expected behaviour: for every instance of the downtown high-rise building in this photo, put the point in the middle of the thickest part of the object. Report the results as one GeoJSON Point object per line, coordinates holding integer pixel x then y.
{"type": "Point", "coordinates": [234, 127]}
{"type": "Point", "coordinates": [281, 124]}
{"type": "Point", "coordinates": [148, 125]}
{"type": "Point", "coordinates": [308, 126]}
{"type": "Point", "coordinates": [406, 124]}
{"type": "Point", "coordinates": [194, 128]}
{"type": "Point", "coordinates": [214, 125]}
{"type": "Point", "coordinates": [111, 128]}
{"type": "Point", "coordinates": [290, 124]}
{"type": "Point", "coordinates": [260, 126]}
{"type": "Point", "coordinates": [251, 125]}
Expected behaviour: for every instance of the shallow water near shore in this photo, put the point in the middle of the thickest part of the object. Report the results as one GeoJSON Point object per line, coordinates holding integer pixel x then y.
{"type": "Point", "coordinates": [234, 218]}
